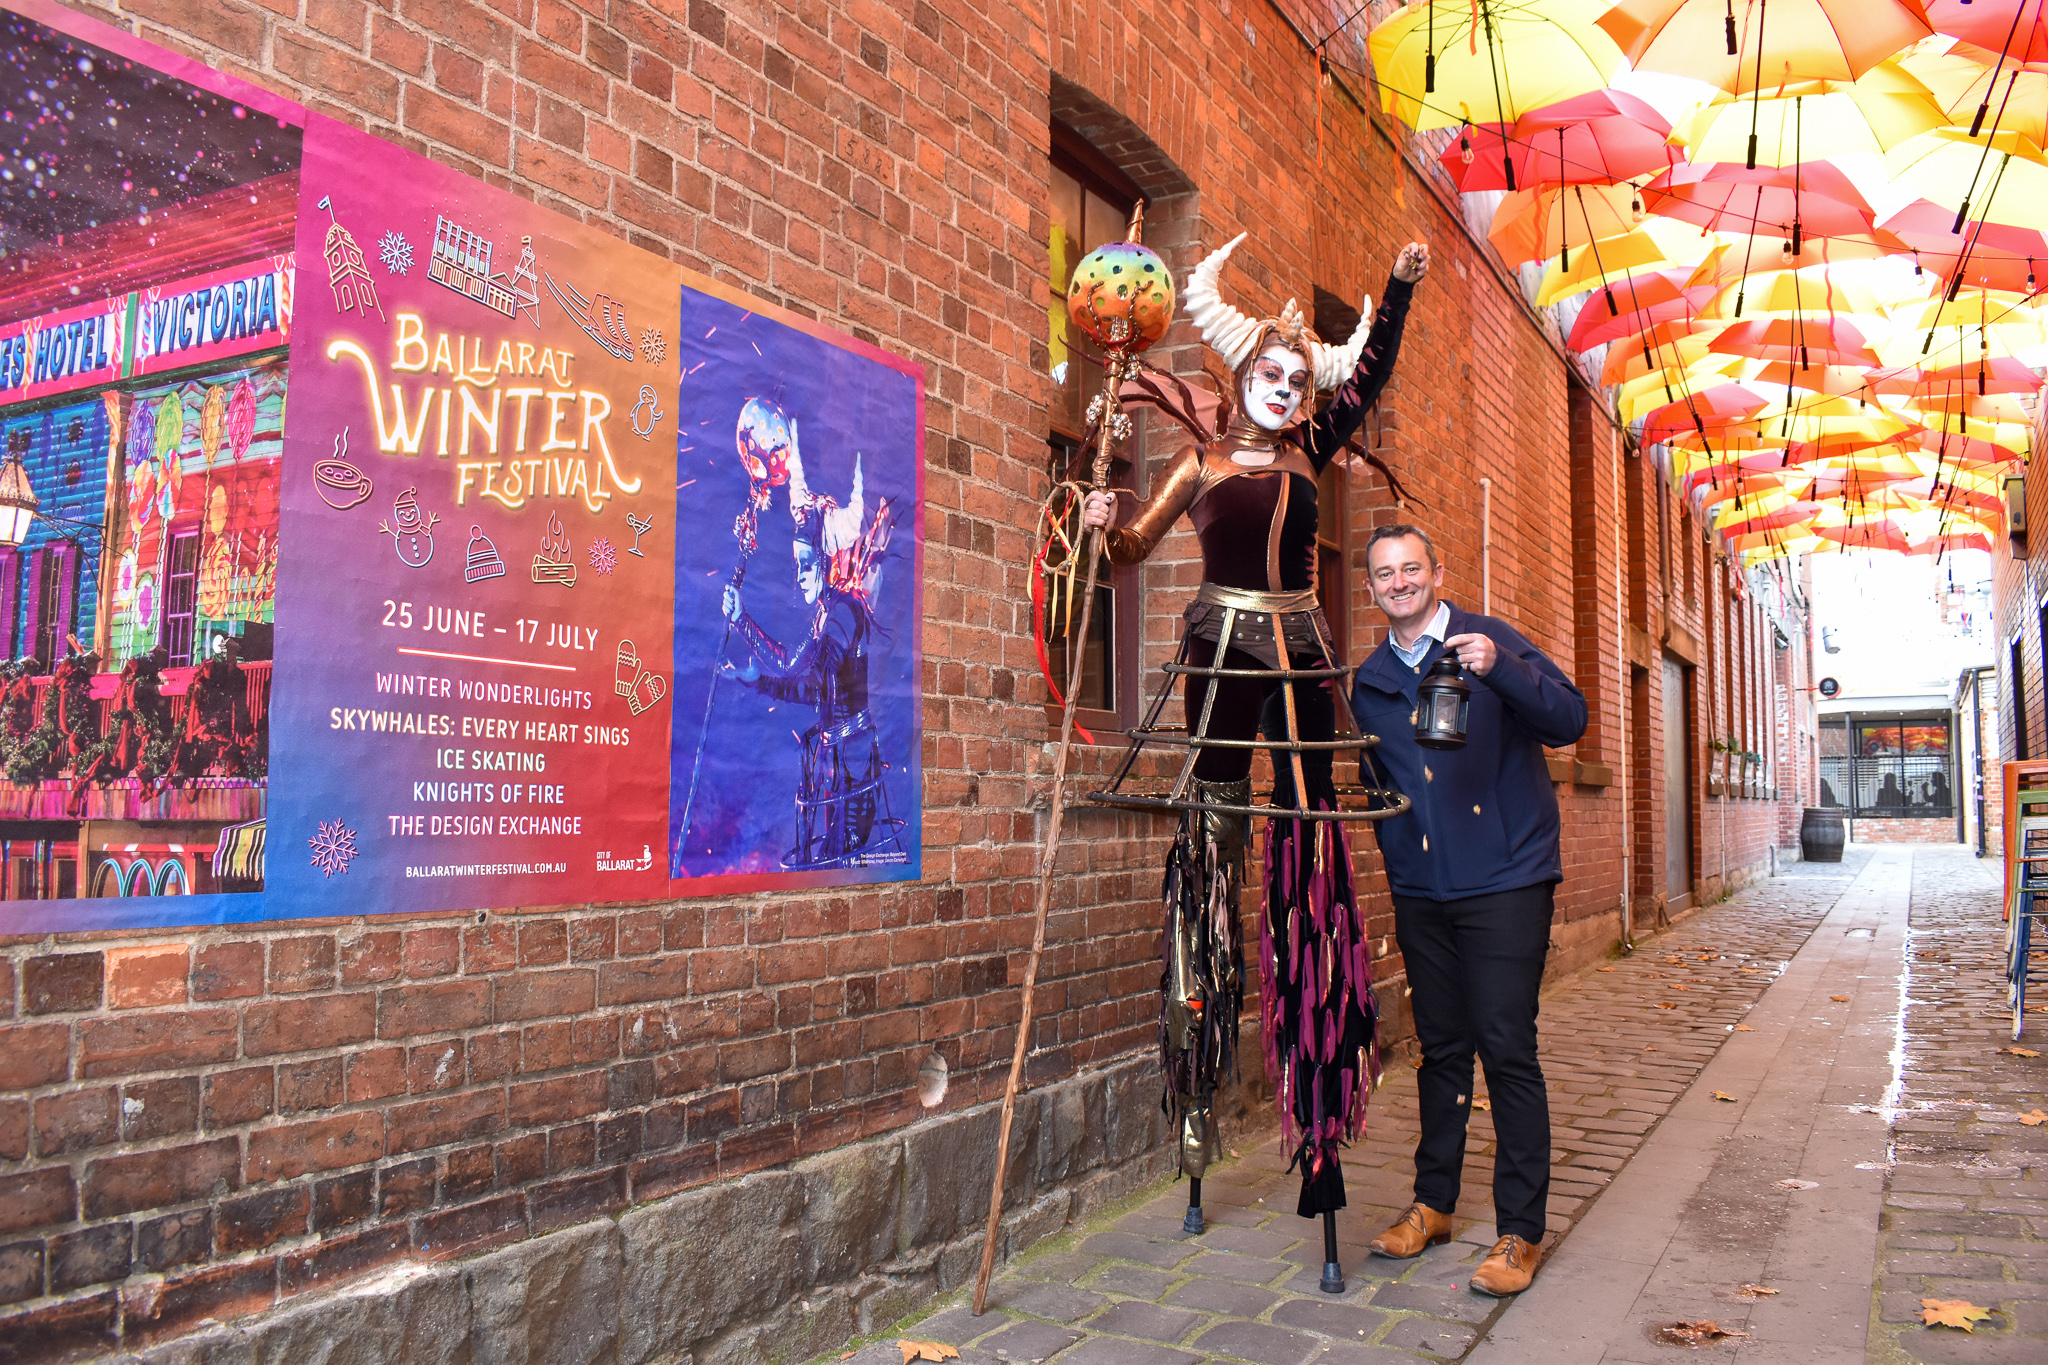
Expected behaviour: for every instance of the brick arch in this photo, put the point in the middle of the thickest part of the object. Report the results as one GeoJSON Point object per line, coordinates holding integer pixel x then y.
{"type": "Point", "coordinates": [1118, 137]}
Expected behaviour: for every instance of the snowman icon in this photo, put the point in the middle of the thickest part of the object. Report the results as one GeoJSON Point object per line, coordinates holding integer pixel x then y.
{"type": "Point", "coordinates": [415, 534]}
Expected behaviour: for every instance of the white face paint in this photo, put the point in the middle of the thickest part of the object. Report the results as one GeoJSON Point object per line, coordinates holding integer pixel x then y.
{"type": "Point", "coordinates": [810, 571]}
{"type": "Point", "coordinates": [1276, 388]}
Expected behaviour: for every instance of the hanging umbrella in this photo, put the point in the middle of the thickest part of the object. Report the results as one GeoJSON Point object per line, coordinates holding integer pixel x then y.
{"type": "Point", "coordinates": [1804, 291]}
{"type": "Point", "coordinates": [1442, 63]}
{"type": "Point", "coordinates": [1671, 348]}
{"type": "Point", "coordinates": [1721, 406]}
{"type": "Point", "coordinates": [1970, 91]}
{"type": "Point", "coordinates": [1815, 120]}
{"type": "Point", "coordinates": [1815, 339]}
{"type": "Point", "coordinates": [1835, 381]}
{"type": "Point", "coordinates": [1653, 244]}
{"type": "Point", "coordinates": [1600, 138]}
{"type": "Point", "coordinates": [2004, 256]}
{"type": "Point", "coordinates": [1647, 300]}
{"type": "Point", "coordinates": [2010, 29]}
{"type": "Point", "coordinates": [1723, 196]}
{"type": "Point", "coordinates": [1532, 225]}
{"type": "Point", "coordinates": [1877, 534]}
{"type": "Point", "coordinates": [1974, 539]}
{"type": "Point", "coordinates": [2002, 177]}
{"type": "Point", "coordinates": [1769, 43]}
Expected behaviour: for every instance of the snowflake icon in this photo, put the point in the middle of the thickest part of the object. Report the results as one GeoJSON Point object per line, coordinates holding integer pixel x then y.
{"type": "Point", "coordinates": [395, 252]}
{"type": "Point", "coordinates": [603, 557]}
{"type": "Point", "coordinates": [653, 346]}
{"type": "Point", "coordinates": [334, 847]}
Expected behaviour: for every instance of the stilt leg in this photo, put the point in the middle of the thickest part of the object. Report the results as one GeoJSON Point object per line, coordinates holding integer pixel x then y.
{"type": "Point", "coordinates": [1193, 1221]}
{"type": "Point", "coordinates": [1333, 1274]}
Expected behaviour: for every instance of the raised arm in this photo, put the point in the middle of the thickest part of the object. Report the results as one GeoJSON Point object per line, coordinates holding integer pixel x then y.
{"type": "Point", "coordinates": [1334, 425]}
{"type": "Point", "coordinates": [1175, 494]}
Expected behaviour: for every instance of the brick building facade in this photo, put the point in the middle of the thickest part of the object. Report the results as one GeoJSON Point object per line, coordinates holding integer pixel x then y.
{"type": "Point", "coordinates": [216, 1124]}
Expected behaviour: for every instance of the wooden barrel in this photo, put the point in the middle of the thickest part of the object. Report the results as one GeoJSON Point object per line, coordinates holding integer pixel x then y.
{"type": "Point", "coordinates": [1822, 835]}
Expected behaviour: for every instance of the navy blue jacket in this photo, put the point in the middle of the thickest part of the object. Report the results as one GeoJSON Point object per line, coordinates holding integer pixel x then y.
{"type": "Point", "coordinates": [1484, 817]}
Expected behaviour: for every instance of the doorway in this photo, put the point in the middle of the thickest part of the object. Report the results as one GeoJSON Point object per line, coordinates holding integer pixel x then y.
{"type": "Point", "coordinates": [1677, 790]}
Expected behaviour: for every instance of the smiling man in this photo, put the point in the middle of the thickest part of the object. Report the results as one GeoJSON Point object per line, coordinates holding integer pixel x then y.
{"type": "Point", "coordinates": [1474, 867]}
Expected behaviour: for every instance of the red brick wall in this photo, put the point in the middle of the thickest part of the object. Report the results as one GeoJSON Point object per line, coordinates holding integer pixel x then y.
{"type": "Point", "coordinates": [1902, 831]}
{"type": "Point", "coordinates": [257, 1111]}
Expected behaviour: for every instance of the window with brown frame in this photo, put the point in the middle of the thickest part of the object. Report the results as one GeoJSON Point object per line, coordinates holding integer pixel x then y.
{"type": "Point", "coordinates": [1091, 203]}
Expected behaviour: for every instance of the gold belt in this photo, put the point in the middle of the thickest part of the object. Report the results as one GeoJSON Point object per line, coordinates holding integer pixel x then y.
{"type": "Point", "coordinates": [1215, 594]}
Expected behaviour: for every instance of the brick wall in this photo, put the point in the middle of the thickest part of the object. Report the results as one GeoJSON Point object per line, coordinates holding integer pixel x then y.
{"type": "Point", "coordinates": [204, 1124]}
{"type": "Point", "coordinates": [1902, 831]}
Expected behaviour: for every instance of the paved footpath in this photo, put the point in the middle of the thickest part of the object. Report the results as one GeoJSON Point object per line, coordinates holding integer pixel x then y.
{"type": "Point", "coordinates": [1966, 1193]}
{"type": "Point", "coordinates": [1622, 1044]}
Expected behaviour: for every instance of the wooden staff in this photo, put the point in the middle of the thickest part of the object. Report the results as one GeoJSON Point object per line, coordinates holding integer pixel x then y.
{"type": "Point", "coordinates": [1112, 410]}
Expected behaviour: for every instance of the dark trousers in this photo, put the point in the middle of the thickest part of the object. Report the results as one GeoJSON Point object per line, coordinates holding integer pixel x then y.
{"type": "Point", "coordinates": [1474, 966]}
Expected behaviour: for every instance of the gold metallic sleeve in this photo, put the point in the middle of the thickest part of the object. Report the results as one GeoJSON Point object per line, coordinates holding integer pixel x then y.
{"type": "Point", "coordinates": [1130, 543]}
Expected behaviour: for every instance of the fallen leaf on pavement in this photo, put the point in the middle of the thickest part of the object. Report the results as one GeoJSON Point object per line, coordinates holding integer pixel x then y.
{"type": "Point", "coordinates": [1724, 1095]}
{"type": "Point", "coordinates": [1755, 1291]}
{"type": "Point", "coordinates": [2035, 1119]}
{"type": "Point", "coordinates": [926, 1350]}
{"type": "Point", "coordinates": [1744, 1028]}
{"type": "Point", "coordinates": [2020, 1051]}
{"type": "Point", "coordinates": [1838, 997]}
{"type": "Point", "coordinates": [1668, 1005]}
{"type": "Point", "coordinates": [1797, 1185]}
{"type": "Point", "coordinates": [1691, 1333]}
{"type": "Point", "coordinates": [1483, 1104]}
{"type": "Point", "coordinates": [1609, 969]}
{"type": "Point", "coordinates": [1953, 1313]}
{"type": "Point", "coordinates": [1677, 987]}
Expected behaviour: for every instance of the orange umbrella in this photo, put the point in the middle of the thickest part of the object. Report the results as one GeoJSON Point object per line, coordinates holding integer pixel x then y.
{"type": "Point", "coordinates": [1803, 341]}
{"type": "Point", "coordinates": [1771, 43]}
{"type": "Point", "coordinates": [1533, 225]}
{"type": "Point", "coordinates": [1599, 138]}
{"type": "Point", "coordinates": [2002, 256]}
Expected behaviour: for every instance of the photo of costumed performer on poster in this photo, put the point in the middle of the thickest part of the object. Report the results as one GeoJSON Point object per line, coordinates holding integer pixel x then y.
{"type": "Point", "coordinates": [1251, 495]}
{"type": "Point", "coordinates": [842, 811]}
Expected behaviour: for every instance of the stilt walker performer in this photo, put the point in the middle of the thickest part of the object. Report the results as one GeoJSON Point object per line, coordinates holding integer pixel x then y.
{"type": "Point", "coordinates": [1258, 661]}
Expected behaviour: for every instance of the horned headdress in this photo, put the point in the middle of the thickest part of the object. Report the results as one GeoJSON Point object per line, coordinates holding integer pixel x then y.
{"type": "Point", "coordinates": [1237, 338]}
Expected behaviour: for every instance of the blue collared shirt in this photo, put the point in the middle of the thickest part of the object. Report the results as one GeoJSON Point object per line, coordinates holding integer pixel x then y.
{"type": "Point", "coordinates": [1438, 624]}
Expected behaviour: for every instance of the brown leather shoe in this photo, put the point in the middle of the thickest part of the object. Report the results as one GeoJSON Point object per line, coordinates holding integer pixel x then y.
{"type": "Point", "coordinates": [1421, 1226]}
{"type": "Point", "coordinates": [1508, 1268]}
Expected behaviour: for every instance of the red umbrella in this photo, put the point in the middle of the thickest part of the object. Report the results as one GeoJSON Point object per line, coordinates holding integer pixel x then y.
{"type": "Point", "coordinates": [1966, 540]}
{"type": "Point", "coordinates": [2001, 256]}
{"type": "Point", "coordinates": [1876, 534]}
{"type": "Point", "coordinates": [1808, 199]}
{"type": "Point", "coordinates": [1644, 301]}
{"type": "Point", "coordinates": [1599, 138]}
{"type": "Point", "coordinates": [2011, 29]}
{"type": "Point", "coordinates": [1721, 406]}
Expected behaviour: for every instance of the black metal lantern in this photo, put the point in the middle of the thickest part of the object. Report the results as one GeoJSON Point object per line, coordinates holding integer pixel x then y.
{"type": "Point", "coordinates": [1442, 702]}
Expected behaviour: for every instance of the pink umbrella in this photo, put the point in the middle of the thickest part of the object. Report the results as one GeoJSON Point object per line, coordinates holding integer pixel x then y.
{"type": "Point", "coordinates": [2001, 256]}
{"type": "Point", "coordinates": [1719, 407]}
{"type": "Point", "coordinates": [1600, 138]}
{"type": "Point", "coordinates": [1807, 199]}
{"type": "Point", "coordinates": [1644, 301]}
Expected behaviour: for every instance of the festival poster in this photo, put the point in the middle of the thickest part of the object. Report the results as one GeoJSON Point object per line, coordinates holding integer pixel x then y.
{"type": "Point", "coordinates": [141, 537]}
{"type": "Point", "coordinates": [798, 590]}
{"type": "Point", "coordinates": [473, 690]}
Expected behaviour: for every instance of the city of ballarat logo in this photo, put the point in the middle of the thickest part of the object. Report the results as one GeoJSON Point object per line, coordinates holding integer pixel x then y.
{"type": "Point", "coordinates": [607, 863]}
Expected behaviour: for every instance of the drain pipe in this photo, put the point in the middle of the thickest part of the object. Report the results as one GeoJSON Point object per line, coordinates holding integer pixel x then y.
{"type": "Point", "coordinates": [1486, 547]}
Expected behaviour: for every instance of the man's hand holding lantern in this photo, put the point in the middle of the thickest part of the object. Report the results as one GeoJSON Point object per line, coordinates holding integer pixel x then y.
{"type": "Point", "coordinates": [1474, 653]}
{"type": "Point", "coordinates": [1412, 264]}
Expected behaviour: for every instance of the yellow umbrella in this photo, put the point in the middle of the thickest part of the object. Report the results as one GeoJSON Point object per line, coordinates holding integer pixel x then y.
{"type": "Point", "coordinates": [1815, 120]}
{"type": "Point", "coordinates": [1810, 290]}
{"type": "Point", "coordinates": [2001, 177]}
{"type": "Point", "coordinates": [1766, 44]}
{"type": "Point", "coordinates": [2017, 98]}
{"type": "Point", "coordinates": [1441, 63]}
{"type": "Point", "coordinates": [1656, 243]}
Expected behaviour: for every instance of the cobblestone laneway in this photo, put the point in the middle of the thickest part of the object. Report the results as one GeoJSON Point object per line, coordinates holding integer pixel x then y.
{"type": "Point", "coordinates": [1966, 1199]}
{"type": "Point", "coordinates": [1621, 1042]}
